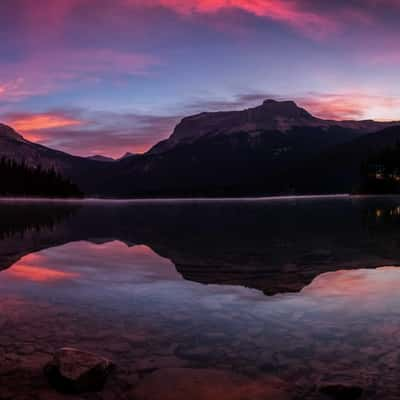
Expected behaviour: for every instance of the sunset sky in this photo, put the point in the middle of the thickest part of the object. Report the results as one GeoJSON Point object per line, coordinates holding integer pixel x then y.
{"type": "Point", "coordinates": [110, 76]}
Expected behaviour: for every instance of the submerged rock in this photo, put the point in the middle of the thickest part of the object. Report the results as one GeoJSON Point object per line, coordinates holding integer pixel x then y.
{"type": "Point", "coordinates": [341, 392]}
{"type": "Point", "coordinates": [207, 384]}
{"type": "Point", "coordinates": [76, 371]}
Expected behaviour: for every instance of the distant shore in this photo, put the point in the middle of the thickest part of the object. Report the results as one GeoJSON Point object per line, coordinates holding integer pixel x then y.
{"type": "Point", "coordinates": [181, 199]}
{"type": "Point", "coordinates": [95, 200]}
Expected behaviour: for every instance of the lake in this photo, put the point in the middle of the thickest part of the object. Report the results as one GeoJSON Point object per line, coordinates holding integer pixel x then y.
{"type": "Point", "coordinates": [235, 299]}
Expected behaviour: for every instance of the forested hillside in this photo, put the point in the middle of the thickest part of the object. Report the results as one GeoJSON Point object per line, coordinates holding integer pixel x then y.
{"type": "Point", "coordinates": [18, 179]}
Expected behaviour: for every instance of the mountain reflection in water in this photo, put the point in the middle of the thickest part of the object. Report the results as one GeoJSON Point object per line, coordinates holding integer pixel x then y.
{"type": "Point", "coordinates": [112, 262]}
{"type": "Point", "coordinates": [303, 291]}
{"type": "Point", "coordinates": [275, 246]}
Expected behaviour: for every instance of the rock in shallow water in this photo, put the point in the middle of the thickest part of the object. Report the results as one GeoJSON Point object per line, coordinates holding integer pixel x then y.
{"type": "Point", "coordinates": [76, 371]}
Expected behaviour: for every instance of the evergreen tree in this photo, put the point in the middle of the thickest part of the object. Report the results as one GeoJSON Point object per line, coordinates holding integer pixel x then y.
{"type": "Point", "coordinates": [18, 179]}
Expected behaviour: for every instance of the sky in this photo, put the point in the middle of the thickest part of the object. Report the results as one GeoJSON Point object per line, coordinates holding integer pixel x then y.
{"type": "Point", "coordinates": [114, 76]}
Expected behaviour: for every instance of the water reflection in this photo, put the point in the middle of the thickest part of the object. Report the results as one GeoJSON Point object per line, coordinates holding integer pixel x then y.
{"type": "Point", "coordinates": [29, 272]}
{"type": "Point", "coordinates": [130, 304]}
{"type": "Point", "coordinates": [112, 262]}
{"type": "Point", "coordinates": [273, 246]}
{"type": "Point", "coordinates": [357, 285]}
{"type": "Point", "coordinates": [25, 218]}
{"type": "Point", "coordinates": [164, 285]}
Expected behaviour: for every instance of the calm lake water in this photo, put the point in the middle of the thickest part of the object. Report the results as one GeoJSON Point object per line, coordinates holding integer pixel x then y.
{"type": "Point", "coordinates": [299, 293]}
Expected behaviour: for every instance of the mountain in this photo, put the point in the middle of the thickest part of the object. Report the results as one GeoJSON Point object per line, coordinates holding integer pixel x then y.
{"type": "Point", "coordinates": [127, 154]}
{"type": "Point", "coordinates": [337, 170]}
{"type": "Point", "coordinates": [9, 134]}
{"type": "Point", "coordinates": [275, 148]}
{"type": "Point", "coordinates": [99, 157]}
{"type": "Point", "coordinates": [21, 180]}
{"type": "Point", "coordinates": [14, 146]}
{"type": "Point", "coordinates": [251, 152]}
{"type": "Point", "coordinates": [271, 116]}
{"type": "Point", "coordinates": [276, 248]}
{"type": "Point", "coordinates": [80, 170]}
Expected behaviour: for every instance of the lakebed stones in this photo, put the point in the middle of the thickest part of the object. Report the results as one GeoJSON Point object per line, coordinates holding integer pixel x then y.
{"type": "Point", "coordinates": [75, 371]}
{"type": "Point", "coordinates": [341, 392]}
{"type": "Point", "coordinates": [207, 384]}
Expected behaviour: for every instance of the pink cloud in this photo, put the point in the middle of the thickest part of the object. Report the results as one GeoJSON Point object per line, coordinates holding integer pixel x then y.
{"type": "Point", "coordinates": [84, 133]}
{"type": "Point", "coordinates": [30, 123]}
{"type": "Point", "coordinates": [50, 71]}
{"type": "Point", "coordinates": [352, 105]}
{"type": "Point", "coordinates": [290, 12]}
{"type": "Point", "coordinates": [310, 16]}
{"type": "Point", "coordinates": [355, 104]}
{"type": "Point", "coordinates": [15, 89]}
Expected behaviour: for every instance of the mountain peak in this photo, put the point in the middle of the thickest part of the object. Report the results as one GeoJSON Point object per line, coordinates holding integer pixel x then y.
{"type": "Point", "coordinates": [275, 102]}
{"type": "Point", "coordinates": [6, 132]}
{"type": "Point", "coordinates": [271, 115]}
{"type": "Point", "coordinates": [287, 108]}
{"type": "Point", "coordinates": [126, 155]}
{"type": "Point", "coordinates": [99, 157]}
{"type": "Point", "coordinates": [284, 105]}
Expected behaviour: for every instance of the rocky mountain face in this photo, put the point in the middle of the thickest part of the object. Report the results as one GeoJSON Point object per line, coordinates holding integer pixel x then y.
{"type": "Point", "coordinates": [14, 146]}
{"type": "Point", "coordinates": [257, 151]}
{"type": "Point", "coordinates": [8, 133]}
{"type": "Point", "coordinates": [81, 171]}
{"type": "Point", "coordinates": [275, 148]}
{"type": "Point", "coordinates": [273, 116]}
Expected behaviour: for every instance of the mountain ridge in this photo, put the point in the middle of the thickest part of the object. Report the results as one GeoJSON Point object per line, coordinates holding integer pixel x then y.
{"type": "Point", "coordinates": [100, 157]}
{"type": "Point", "coordinates": [271, 115]}
{"type": "Point", "coordinates": [228, 153]}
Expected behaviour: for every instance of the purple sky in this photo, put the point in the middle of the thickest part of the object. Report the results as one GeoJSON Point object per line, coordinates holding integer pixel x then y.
{"type": "Point", "coordinates": [108, 77]}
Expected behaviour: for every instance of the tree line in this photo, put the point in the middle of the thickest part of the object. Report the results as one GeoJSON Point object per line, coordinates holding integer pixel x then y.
{"type": "Point", "coordinates": [381, 171]}
{"type": "Point", "coordinates": [19, 179]}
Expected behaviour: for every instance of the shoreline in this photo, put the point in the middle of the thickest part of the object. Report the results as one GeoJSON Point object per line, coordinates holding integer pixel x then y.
{"type": "Point", "coordinates": [94, 200]}
{"type": "Point", "coordinates": [183, 199]}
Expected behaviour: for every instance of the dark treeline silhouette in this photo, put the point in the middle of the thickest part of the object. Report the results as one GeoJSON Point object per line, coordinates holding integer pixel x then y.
{"type": "Point", "coordinates": [381, 171]}
{"type": "Point", "coordinates": [18, 179]}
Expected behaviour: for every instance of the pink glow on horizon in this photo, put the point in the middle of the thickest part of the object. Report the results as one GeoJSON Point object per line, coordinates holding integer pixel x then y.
{"type": "Point", "coordinates": [46, 128]}
{"type": "Point", "coordinates": [41, 121]}
{"type": "Point", "coordinates": [353, 106]}
{"type": "Point", "coordinates": [65, 63]}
